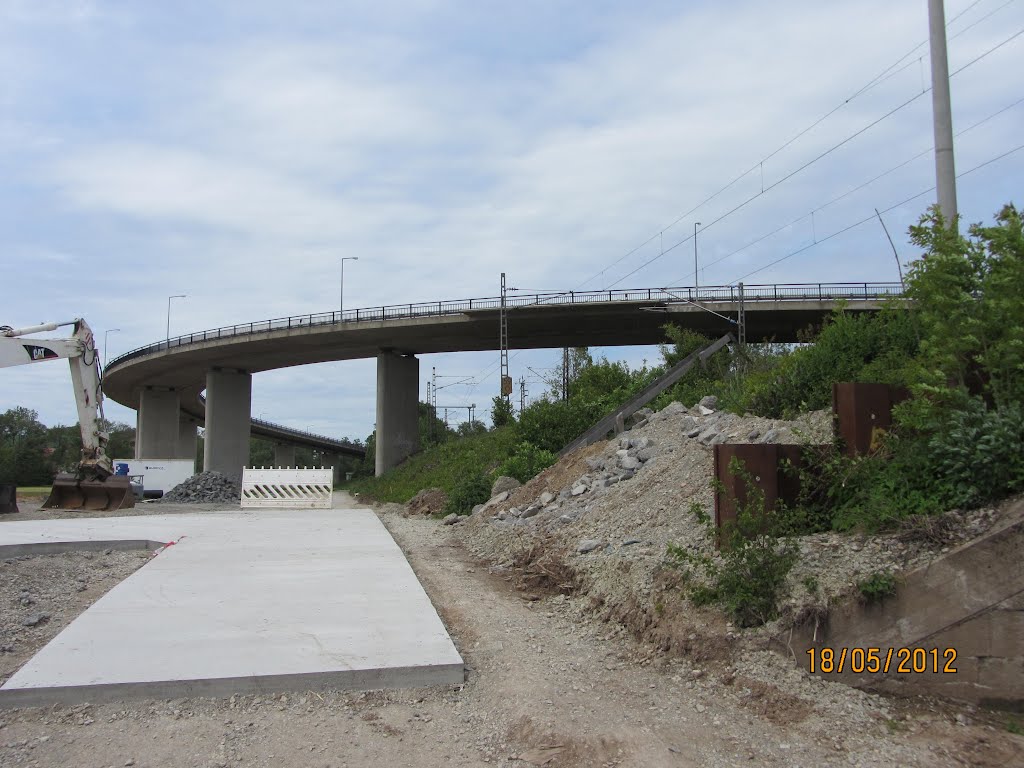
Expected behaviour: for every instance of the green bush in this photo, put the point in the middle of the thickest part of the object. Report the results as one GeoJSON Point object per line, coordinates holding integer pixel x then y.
{"type": "Point", "coordinates": [962, 458]}
{"type": "Point", "coordinates": [877, 587]}
{"type": "Point", "coordinates": [748, 577]}
{"type": "Point", "coordinates": [977, 455]}
{"type": "Point", "coordinates": [472, 490]}
{"type": "Point", "coordinates": [501, 412]}
{"type": "Point", "coordinates": [440, 466]}
{"type": "Point", "coordinates": [527, 462]}
{"type": "Point", "coordinates": [848, 348]}
{"type": "Point", "coordinates": [553, 424]}
{"type": "Point", "coordinates": [871, 493]}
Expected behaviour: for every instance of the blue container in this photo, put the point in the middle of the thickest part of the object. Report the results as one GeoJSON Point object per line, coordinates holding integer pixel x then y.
{"type": "Point", "coordinates": [120, 469]}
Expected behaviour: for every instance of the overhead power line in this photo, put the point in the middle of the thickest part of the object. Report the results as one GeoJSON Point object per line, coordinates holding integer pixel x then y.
{"type": "Point", "coordinates": [888, 72]}
{"type": "Point", "coordinates": [811, 162]}
{"type": "Point", "coordinates": [884, 75]}
{"type": "Point", "coordinates": [872, 217]}
{"type": "Point", "coordinates": [856, 189]}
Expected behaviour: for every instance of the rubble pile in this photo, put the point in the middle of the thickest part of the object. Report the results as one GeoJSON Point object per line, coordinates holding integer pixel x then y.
{"type": "Point", "coordinates": [205, 488]}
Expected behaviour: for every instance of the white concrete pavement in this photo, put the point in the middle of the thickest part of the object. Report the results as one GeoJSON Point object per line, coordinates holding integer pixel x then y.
{"type": "Point", "coordinates": [243, 602]}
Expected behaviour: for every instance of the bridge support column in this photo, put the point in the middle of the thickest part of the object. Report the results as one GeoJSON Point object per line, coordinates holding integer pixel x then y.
{"type": "Point", "coordinates": [228, 403]}
{"type": "Point", "coordinates": [186, 437]}
{"type": "Point", "coordinates": [398, 432]}
{"type": "Point", "coordinates": [284, 455]}
{"type": "Point", "coordinates": [156, 435]}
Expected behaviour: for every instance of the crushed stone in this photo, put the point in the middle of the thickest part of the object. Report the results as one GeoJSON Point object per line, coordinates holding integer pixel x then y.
{"type": "Point", "coordinates": [205, 488]}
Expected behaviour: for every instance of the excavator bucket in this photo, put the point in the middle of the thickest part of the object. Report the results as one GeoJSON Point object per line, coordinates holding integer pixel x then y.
{"type": "Point", "coordinates": [69, 492]}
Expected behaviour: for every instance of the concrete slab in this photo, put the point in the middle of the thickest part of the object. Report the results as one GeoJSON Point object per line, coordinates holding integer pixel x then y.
{"type": "Point", "coordinates": [243, 602]}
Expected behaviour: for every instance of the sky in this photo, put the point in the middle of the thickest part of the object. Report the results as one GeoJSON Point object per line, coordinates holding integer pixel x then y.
{"type": "Point", "coordinates": [236, 151]}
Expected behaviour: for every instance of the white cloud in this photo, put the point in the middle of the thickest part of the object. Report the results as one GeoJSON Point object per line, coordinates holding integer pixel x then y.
{"type": "Point", "coordinates": [238, 159]}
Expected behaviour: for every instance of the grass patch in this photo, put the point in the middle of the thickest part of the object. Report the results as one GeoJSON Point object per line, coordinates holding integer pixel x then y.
{"type": "Point", "coordinates": [442, 466]}
{"type": "Point", "coordinates": [877, 587]}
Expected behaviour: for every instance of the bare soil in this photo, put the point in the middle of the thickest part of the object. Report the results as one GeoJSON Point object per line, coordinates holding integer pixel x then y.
{"type": "Point", "coordinates": [42, 594]}
{"type": "Point", "coordinates": [552, 680]}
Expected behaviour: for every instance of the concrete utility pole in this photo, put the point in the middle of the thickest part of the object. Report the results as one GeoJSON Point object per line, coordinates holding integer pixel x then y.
{"type": "Point", "coordinates": [942, 115]}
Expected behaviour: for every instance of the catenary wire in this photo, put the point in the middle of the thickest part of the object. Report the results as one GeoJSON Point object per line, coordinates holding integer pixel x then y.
{"type": "Point", "coordinates": [872, 218]}
{"type": "Point", "coordinates": [809, 163]}
{"type": "Point", "coordinates": [875, 81]}
{"type": "Point", "coordinates": [857, 188]}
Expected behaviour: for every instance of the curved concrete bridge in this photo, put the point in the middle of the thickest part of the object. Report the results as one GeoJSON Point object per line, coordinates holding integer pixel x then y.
{"type": "Point", "coordinates": [164, 382]}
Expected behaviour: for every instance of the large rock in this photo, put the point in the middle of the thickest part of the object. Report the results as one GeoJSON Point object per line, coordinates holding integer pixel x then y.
{"type": "Point", "coordinates": [629, 462]}
{"type": "Point", "coordinates": [429, 501]}
{"type": "Point", "coordinates": [708, 401]}
{"type": "Point", "coordinates": [674, 408]}
{"type": "Point", "coordinates": [503, 484]}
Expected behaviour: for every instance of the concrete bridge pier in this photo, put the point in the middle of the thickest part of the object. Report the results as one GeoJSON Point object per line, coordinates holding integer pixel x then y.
{"type": "Point", "coordinates": [284, 455]}
{"type": "Point", "coordinates": [157, 431]}
{"type": "Point", "coordinates": [187, 437]}
{"type": "Point", "coordinates": [228, 404]}
{"type": "Point", "coordinates": [398, 432]}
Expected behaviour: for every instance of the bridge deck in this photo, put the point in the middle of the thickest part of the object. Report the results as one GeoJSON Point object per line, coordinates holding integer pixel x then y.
{"type": "Point", "coordinates": [564, 319]}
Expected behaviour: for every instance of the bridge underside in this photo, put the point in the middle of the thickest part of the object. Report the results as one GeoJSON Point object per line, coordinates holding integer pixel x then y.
{"type": "Point", "coordinates": [184, 369]}
{"type": "Point", "coordinates": [537, 327]}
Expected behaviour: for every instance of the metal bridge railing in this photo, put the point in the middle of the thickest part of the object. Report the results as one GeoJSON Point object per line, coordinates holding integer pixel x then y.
{"type": "Point", "coordinates": [703, 294]}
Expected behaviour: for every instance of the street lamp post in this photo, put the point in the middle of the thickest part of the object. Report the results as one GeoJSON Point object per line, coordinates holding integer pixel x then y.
{"type": "Point", "coordinates": [106, 335]}
{"type": "Point", "coordinates": [695, 280]}
{"type": "Point", "coordinates": [341, 299]}
{"type": "Point", "coordinates": [175, 296]}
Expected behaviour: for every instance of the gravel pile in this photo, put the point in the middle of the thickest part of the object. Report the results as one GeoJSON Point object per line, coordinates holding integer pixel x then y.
{"type": "Point", "coordinates": [205, 488]}
{"type": "Point", "coordinates": [612, 508]}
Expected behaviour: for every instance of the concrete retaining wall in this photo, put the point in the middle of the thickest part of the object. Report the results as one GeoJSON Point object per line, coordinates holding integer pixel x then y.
{"type": "Point", "coordinates": [972, 600]}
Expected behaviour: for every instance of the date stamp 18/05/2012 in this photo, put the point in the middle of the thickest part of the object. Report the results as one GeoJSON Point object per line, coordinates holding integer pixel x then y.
{"type": "Point", "coordinates": [827, 661]}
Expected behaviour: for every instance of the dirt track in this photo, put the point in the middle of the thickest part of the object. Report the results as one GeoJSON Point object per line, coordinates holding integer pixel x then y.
{"type": "Point", "coordinates": [547, 683]}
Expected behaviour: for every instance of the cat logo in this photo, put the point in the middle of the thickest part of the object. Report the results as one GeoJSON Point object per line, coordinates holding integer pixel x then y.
{"type": "Point", "coordinates": [36, 354]}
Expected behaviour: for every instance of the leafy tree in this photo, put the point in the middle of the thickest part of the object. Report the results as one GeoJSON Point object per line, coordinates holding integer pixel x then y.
{"type": "Point", "coordinates": [552, 424]}
{"type": "Point", "coordinates": [967, 302]}
{"type": "Point", "coordinates": [261, 452]}
{"type": "Point", "coordinates": [501, 412]}
{"type": "Point", "coordinates": [467, 428]}
{"type": "Point", "coordinates": [24, 454]}
{"type": "Point", "coordinates": [122, 439]}
{"type": "Point", "coordinates": [432, 429]}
